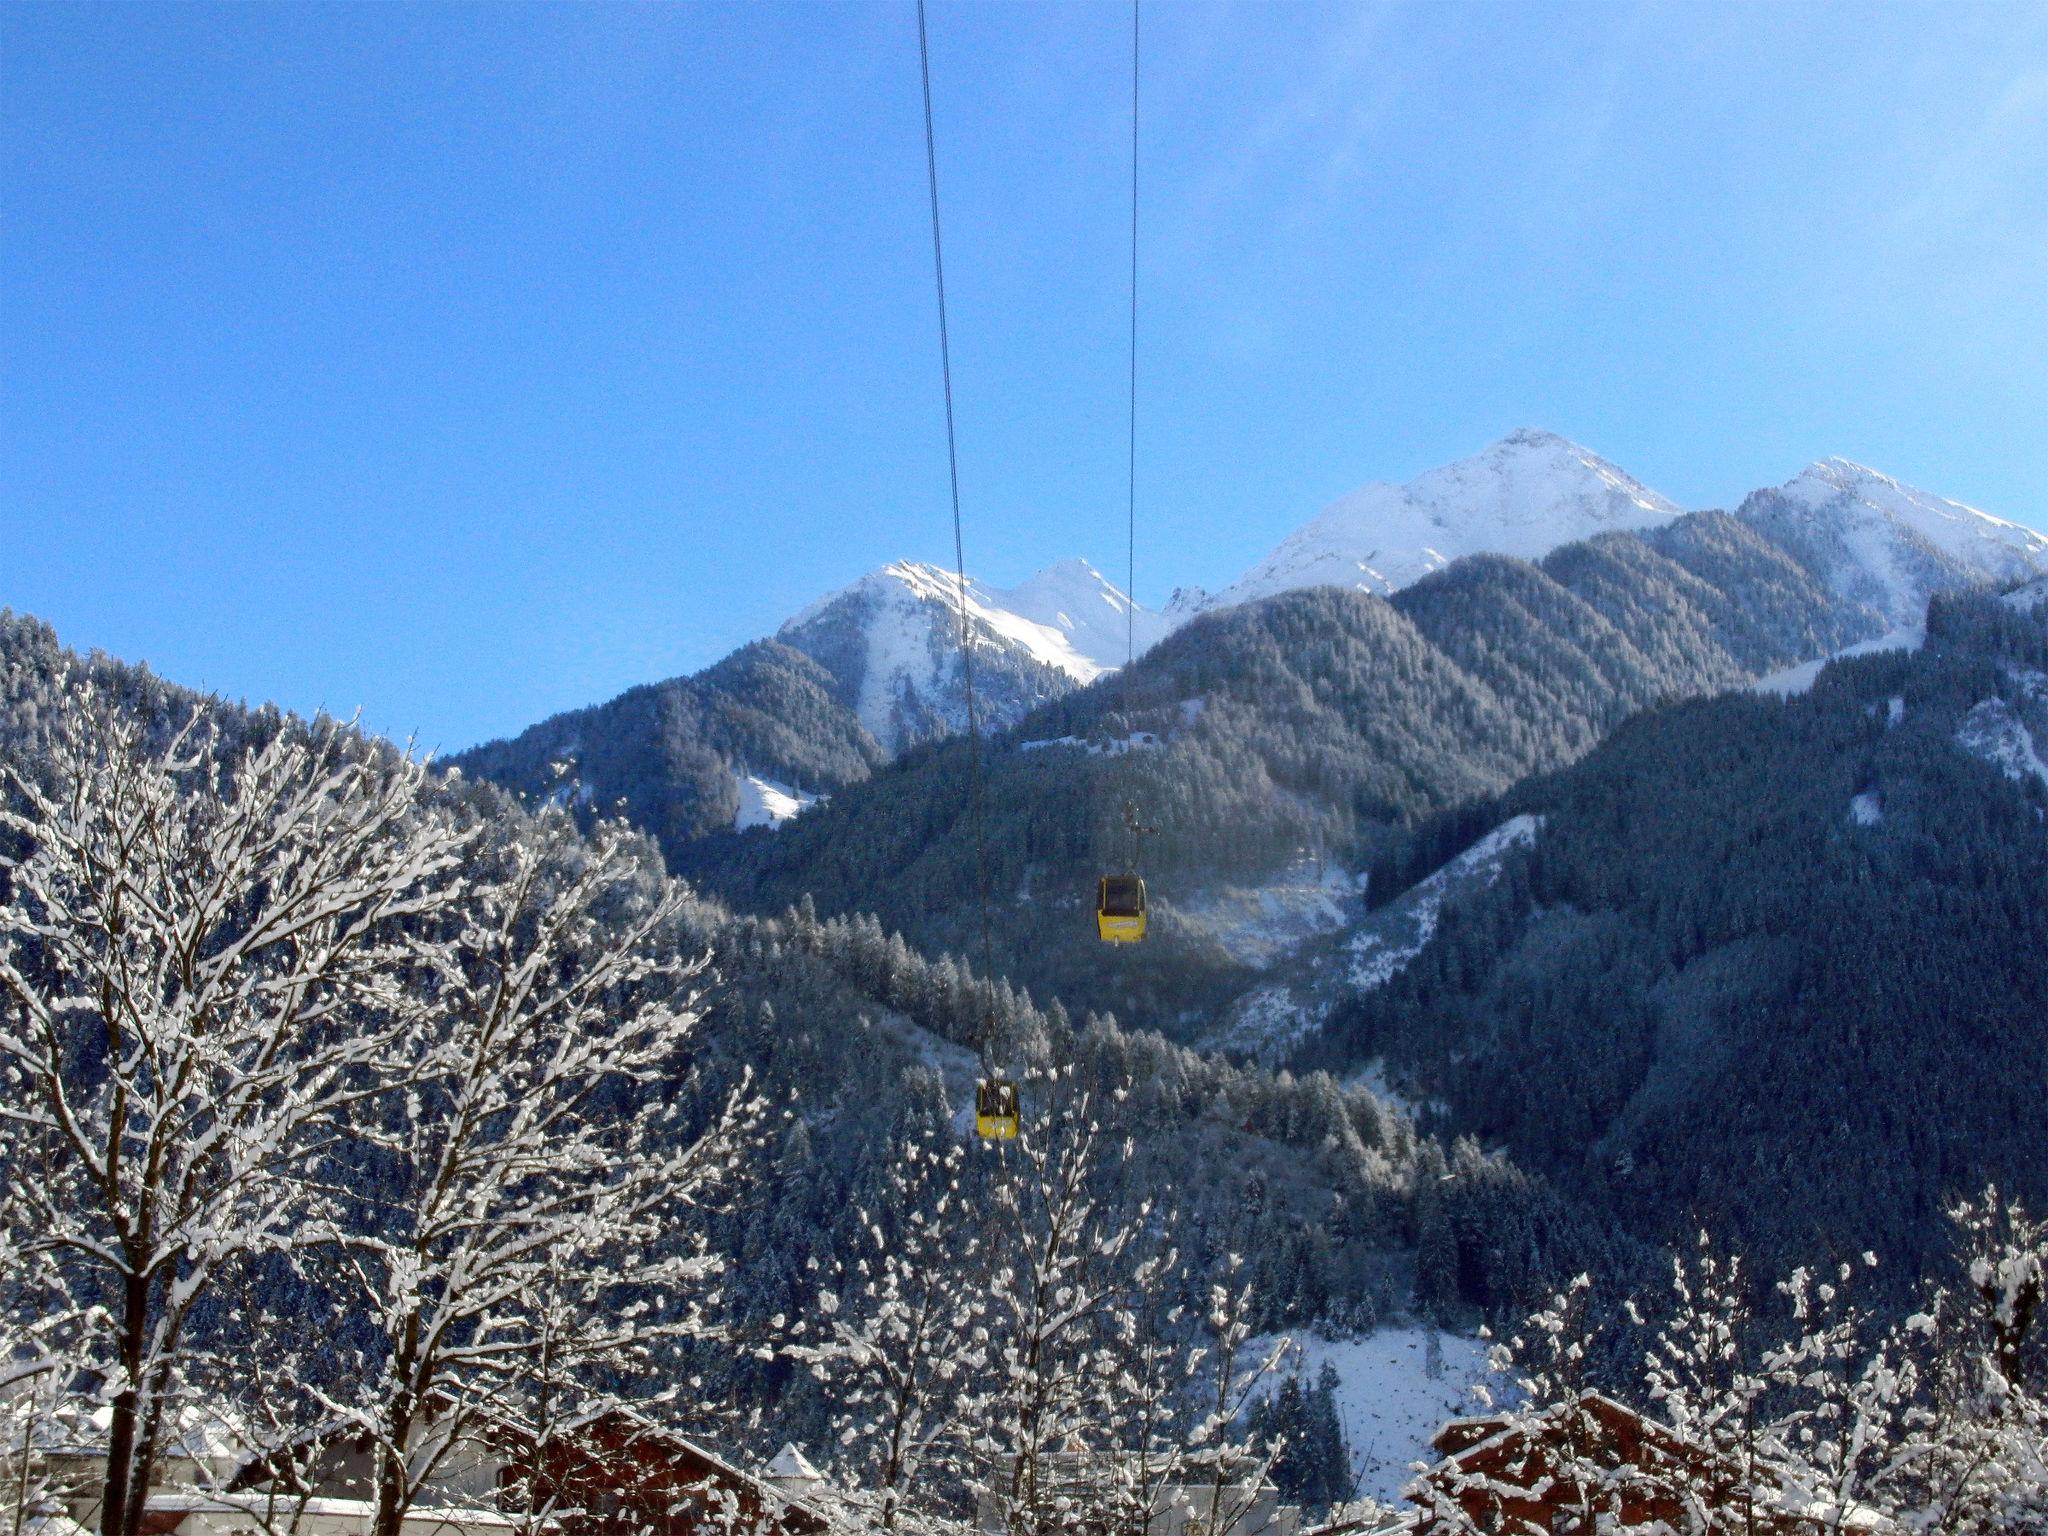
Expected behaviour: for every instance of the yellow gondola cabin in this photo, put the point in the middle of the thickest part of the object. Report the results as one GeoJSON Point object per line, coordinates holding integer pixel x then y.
{"type": "Point", "coordinates": [995, 1110]}
{"type": "Point", "coordinates": [1120, 909]}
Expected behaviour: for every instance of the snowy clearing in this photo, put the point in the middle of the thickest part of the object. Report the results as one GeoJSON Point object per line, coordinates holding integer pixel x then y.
{"type": "Point", "coordinates": [1137, 741]}
{"type": "Point", "coordinates": [1867, 809]}
{"type": "Point", "coordinates": [1393, 1393]}
{"type": "Point", "coordinates": [1382, 950]}
{"type": "Point", "coordinates": [2026, 599]}
{"type": "Point", "coordinates": [1992, 732]}
{"type": "Point", "coordinates": [767, 803]}
{"type": "Point", "coordinates": [1372, 1077]}
{"type": "Point", "coordinates": [1269, 1019]}
{"type": "Point", "coordinates": [1257, 925]}
{"type": "Point", "coordinates": [1797, 680]}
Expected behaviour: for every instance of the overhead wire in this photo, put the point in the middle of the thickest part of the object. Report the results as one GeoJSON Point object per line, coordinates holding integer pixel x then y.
{"type": "Point", "coordinates": [974, 770]}
{"type": "Point", "coordinates": [1131, 482]}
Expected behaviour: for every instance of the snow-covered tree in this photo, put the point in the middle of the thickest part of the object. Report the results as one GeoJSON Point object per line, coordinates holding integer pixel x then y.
{"type": "Point", "coordinates": [1230, 1458]}
{"type": "Point", "coordinates": [536, 1227]}
{"type": "Point", "coordinates": [1973, 1458]}
{"type": "Point", "coordinates": [1064, 1263]}
{"type": "Point", "coordinates": [1705, 1374]}
{"type": "Point", "coordinates": [198, 952]}
{"type": "Point", "coordinates": [903, 1341]}
{"type": "Point", "coordinates": [1846, 1389]}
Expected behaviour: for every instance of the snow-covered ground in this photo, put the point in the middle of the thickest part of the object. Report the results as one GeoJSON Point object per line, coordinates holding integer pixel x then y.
{"type": "Point", "coordinates": [1393, 1392]}
{"type": "Point", "coordinates": [1266, 1021]}
{"type": "Point", "coordinates": [767, 803]}
{"type": "Point", "coordinates": [1799, 679]}
{"type": "Point", "coordinates": [1993, 732]}
{"type": "Point", "coordinates": [1137, 741]}
{"type": "Point", "coordinates": [1526, 495]}
{"type": "Point", "coordinates": [2028, 598]}
{"type": "Point", "coordinates": [1866, 809]}
{"type": "Point", "coordinates": [1372, 1077]}
{"type": "Point", "coordinates": [1259, 924]}
{"type": "Point", "coordinates": [1380, 951]}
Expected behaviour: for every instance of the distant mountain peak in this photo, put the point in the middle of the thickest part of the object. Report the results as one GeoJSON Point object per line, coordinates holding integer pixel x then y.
{"type": "Point", "coordinates": [1888, 545]}
{"type": "Point", "coordinates": [892, 639]}
{"type": "Point", "coordinates": [1836, 470]}
{"type": "Point", "coordinates": [1073, 568]}
{"type": "Point", "coordinates": [1524, 495]}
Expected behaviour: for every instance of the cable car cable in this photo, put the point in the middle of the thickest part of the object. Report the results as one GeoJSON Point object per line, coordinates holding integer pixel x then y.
{"type": "Point", "coordinates": [1120, 908]}
{"type": "Point", "coordinates": [974, 793]}
{"type": "Point", "coordinates": [1131, 508]}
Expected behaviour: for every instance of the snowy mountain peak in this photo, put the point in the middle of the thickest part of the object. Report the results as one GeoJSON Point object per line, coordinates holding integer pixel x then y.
{"type": "Point", "coordinates": [1098, 620]}
{"type": "Point", "coordinates": [1889, 545]}
{"type": "Point", "coordinates": [892, 639]}
{"type": "Point", "coordinates": [1524, 496]}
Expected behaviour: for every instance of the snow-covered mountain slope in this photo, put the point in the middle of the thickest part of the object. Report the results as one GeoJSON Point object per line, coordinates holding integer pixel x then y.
{"type": "Point", "coordinates": [1794, 680]}
{"type": "Point", "coordinates": [1099, 623]}
{"type": "Point", "coordinates": [1258, 925]}
{"type": "Point", "coordinates": [1888, 546]}
{"type": "Point", "coordinates": [1273, 1018]}
{"type": "Point", "coordinates": [1524, 496]}
{"type": "Point", "coordinates": [1994, 732]}
{"type": "Point", "coordinates": [892, 640]}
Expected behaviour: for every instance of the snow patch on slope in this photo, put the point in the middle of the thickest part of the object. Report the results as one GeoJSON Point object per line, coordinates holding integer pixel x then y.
{"type": "Point", "coordinates": [1800, 679]}
{"type": "Point", "coordinates": [1257, 925]}
{"type": "Point", "coordinates": [1394, 1391]}
{"type": "Point", "coordinates": [1137, 741]}
{"type": "Point", "coordinates": [1524, 496]}
{"type": "Point", "coordinates": [2026, 599]}
{"type": "Point", "coordinates": [768, 803]}
{"type": "Point", "coordinates": [1270, 1019]}
{"type": "Point", "coordinates": [1380, 952]}
{"type": "Point", "coordinates": [1993, 732]}
{"type": "Point", "coordinates": [1866, 809]}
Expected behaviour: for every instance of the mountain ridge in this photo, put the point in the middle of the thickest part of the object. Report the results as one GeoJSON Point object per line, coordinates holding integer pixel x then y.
{"type": "Point", "coordinates": [886, 647]}
{"type": "Point", "coordinates": [1525, 495]}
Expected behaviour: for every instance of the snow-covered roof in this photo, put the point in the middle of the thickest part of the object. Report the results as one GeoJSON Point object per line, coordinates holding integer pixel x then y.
{"type": "Point", "coordinates": [261, 1507]}
{"type": "Point", "coordinates": [792, 1464]}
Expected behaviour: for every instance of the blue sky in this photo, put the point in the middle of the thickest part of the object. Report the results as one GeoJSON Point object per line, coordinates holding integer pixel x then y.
{"type": "Point", "coordinates": [468, 363]}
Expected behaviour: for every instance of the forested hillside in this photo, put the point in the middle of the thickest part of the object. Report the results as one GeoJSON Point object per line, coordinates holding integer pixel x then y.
{"type": "Point", "coordinates": [672, 755]}
{"type": "Point", "coordinates": [1773, 966]}
{"type": "Point", "coordinates": [1319, 720]}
